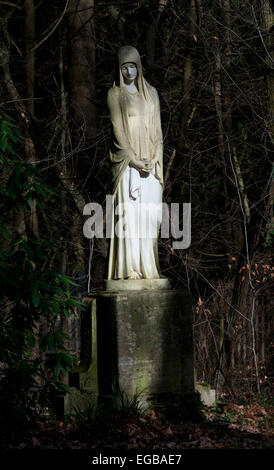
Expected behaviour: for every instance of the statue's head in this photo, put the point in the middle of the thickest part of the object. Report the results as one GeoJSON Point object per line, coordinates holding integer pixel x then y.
{"type": "Point", "coordinates": [129, 64]}
{"type": "Point", "coordinates": [130, 68]}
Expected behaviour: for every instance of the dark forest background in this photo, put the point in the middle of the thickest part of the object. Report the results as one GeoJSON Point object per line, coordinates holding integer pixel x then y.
{"type": "Point", "coordinates": [212, 64]}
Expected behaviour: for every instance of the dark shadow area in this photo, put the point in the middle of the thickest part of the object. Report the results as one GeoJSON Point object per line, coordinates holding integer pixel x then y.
{"type": "Point", "coordinates": [116, 430]}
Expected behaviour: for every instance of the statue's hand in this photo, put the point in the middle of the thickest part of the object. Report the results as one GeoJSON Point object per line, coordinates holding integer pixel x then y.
{"type": "Point", "coordinates": [137, 164]}
{"type": "Point", "coordinates": [148, 166]}
{"type": "Point", "coordinates": [143, 166]}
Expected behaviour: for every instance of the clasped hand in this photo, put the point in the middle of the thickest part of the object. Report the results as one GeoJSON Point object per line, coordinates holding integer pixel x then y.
{"type": "Point", "coordinates": [143, 166]}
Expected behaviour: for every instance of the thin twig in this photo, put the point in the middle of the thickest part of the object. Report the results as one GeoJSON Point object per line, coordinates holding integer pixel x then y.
{"type": "Point", "coordinates": [254, 341]}
{"type": "Point", "coordinates": [226, 301]}
{"type": "Point", "coordinates": [54, 27]}
{"type": "Point", "coordinates": [91, 246]}
{"type": "Point", "coordinates": [260, 34]}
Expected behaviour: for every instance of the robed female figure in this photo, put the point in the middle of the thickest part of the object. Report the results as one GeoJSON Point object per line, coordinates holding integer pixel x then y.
{"type": "Point", "coordinates": [137, 168]}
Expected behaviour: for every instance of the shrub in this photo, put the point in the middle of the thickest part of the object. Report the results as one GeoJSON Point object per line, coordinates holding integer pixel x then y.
{"type": "Point", "coordinates": [33, 352]}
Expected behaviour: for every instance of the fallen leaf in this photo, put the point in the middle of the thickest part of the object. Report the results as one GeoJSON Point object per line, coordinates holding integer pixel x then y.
{"type": "Point", "coordinates": [35, 442]}
{"type": "Point", "coordinates": [143, 420]}
{"type": "Point", "coordinates": [168, 431]}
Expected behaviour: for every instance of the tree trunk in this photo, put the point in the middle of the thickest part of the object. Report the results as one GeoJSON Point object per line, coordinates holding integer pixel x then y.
{"type": "Point", "coordinates": [268, 24]}
{"type": "Point", "coordinates": [219, 112]}
{"type": "Point", "coordinates": [30, 94]}
{"type": "Point", "coordinates": [30, 53]}
{"type": "Point", "coordinates": [25, 119]}
{"type": "Point", "coordinates": [82, 67]}
{"type": "Point", "coordinates": [187, 83]}
{"type": "Point", "coordinates": [151, 35]}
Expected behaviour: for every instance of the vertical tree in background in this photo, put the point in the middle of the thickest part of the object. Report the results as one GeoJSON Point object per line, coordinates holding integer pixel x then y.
{"type": "Point", "coordinates": [267, 38]}
{"type": "Point", "coordinates": [152, 29]}
{"type": "Point", "coordinates": [30, 92]}
{"type": "Point", "coordinates": [30, 54]}
{"type": "Point", "coordinates": [83, 67]}
{"type": "Point", "coordinates": [82, 87]}
{"type": "Point", "coordinates": [188, 72]}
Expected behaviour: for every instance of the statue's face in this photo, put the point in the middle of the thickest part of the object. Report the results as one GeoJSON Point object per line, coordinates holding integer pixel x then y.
{"type": "Point", "coordinates": [129, 72]}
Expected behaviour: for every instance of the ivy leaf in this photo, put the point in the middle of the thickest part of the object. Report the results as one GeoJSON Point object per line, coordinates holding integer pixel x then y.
{"type": "Point", "coordinates": [35, 299]}
{"type": "Point", "coordinates": [30, 202]}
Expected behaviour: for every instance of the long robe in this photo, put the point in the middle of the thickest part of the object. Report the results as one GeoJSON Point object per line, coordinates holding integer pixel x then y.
{"type": "Point", "coordinates": [137, 133]}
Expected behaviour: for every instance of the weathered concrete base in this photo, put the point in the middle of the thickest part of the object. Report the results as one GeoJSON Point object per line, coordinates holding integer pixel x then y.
{"type": "Point", "coordinates": [79, 401]}
{"type": "Point", "coordinates": [83, 390]}
{"type": "Point", "coordinates": [136, 284]}
{"type": "Point", "coordinates": [144, 346]}
{"type": "Point", "coordinates": [207, 394]}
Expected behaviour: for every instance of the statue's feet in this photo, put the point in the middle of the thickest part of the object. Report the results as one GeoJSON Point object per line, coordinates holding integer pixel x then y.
{"type": "Point", "coordinates": [134, 275]}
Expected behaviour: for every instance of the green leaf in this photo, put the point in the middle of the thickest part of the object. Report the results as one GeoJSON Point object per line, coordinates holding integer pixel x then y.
{"type": "Point", "coordinates": [30, 202]}
{"type": "Point", "coordinates": [35, 299]}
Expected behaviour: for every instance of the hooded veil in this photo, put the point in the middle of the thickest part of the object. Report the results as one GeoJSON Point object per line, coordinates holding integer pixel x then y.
{"type": "Point", "coordinates": [134, 136]}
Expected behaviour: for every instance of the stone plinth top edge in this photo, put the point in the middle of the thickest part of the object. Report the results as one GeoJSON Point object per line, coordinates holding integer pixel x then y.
{"type": "Point", "coordinates": [119, 285]}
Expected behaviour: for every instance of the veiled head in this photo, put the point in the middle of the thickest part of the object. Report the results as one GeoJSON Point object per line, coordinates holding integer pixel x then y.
{"type": "Point", "coordinates": [129, 54]}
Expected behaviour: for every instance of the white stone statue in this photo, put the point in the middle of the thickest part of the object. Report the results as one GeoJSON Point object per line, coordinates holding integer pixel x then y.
{"type": "Point", "coordinates": [137, 168]}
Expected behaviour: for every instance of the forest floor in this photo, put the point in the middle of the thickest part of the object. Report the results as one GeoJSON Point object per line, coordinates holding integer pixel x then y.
{"type": "Point", "coordinates": [229, 425]}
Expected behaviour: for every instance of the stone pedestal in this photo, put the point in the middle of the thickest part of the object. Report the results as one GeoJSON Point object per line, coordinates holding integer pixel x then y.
{"type": "Point", "coordinates": [144, 346]}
